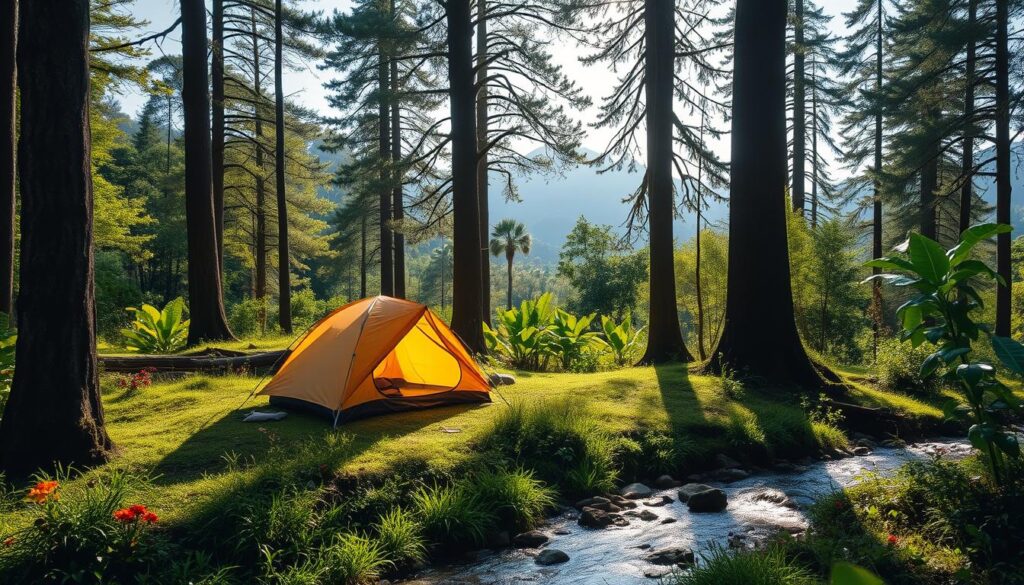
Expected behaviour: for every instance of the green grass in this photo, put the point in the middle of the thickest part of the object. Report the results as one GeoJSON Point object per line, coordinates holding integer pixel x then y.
{"type": "Point", "coordinates": [188, 433]}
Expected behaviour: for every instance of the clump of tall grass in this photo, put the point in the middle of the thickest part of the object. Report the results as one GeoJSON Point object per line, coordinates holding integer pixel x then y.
{"type": "Point", "coordinates": [453, 515]}
{"type": "Point", "coordinates": [769, 567]}
{"type": "Point", "coordinates": [559, 441]}
{"type": "Point", "coordinates": [353, 559]}
{"type": "Point", "coordinates": [400, 537]}
{"type": "Point", "coordinates": [517, 497]}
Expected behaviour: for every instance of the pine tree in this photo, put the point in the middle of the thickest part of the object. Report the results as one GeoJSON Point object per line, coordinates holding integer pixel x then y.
{"type": "Point", "coordinates": [8, 93]}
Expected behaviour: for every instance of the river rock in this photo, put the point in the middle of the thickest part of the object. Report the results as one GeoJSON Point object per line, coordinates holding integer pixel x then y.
{"type": "Point", "coordinates": [691, 488]}
{"type": "Point", "coordinates": [530, 539]}
{"type": "Point", "coordinates": [551, 556]}
{"type": "Point", "coordinates": [562, 531]}
{"type": "Point", "coordinates": [648, 516]}
{"type": "Point", "coordinates": [668, 520]}
{"type": "Point", "coordinates": [673, 555]}
{"type": "Point", "coordinates": [500, 539]}
{"type": "Point", "coordinates": [665, 482]}
{"type": "Point", "coordinates": [591, 502]}
{"type": "Point", "coordinates": [861, 451]}
{"type": "Point", "coordinates": [774, 497]}
{"type": "Point", "coordinates": [731, 474]}
{"type": "Point", "coordinates": [594, 518]}
{"type": "Point", "coordinates": [656, 572]}
{"type": "Point", "coordinates": [710, 500]}
{"type": "Point", "coordinates": [659, 501]}
{"type": "Point", "coordinates": [726, 462]}
{"type": "Point", "coordinates": [636, 491]}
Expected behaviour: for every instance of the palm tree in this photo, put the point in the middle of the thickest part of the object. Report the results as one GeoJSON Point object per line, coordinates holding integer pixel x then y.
{"type": "Point", "coordinates": [508, 237]}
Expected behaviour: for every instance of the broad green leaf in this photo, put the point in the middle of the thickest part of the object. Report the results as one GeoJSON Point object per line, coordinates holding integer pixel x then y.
{"type": "Point", "coordinates": [970, 238]}
{"type": "Point", "coordinates": [849, 574]}
{"type": "Point", "coordinates": [1010, 352]}
{"type": "Point", "coordinates": [928, 258]}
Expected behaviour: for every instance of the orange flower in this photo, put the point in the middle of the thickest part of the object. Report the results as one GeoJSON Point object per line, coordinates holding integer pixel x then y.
{"type": "Point", "coordinates": [43, 491]}
{"type": "Point", "coordinates": [135, 512]}
{"type": "Point", "coordinates": [892, 539]}
{"type": "Point", "coordinates": [149, 518]}
{"type": "Point", "coordinates": [124, 515]}
{"type": "Point", "coordinates": [138, 509]}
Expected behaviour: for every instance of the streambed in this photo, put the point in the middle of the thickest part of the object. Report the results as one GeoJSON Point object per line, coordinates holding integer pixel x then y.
{"type": "Point", "coordinates": [758, 505]}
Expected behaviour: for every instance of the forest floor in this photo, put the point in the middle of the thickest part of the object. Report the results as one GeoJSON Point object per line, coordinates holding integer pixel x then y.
{"type": "Point", "coordinates": [187, 434]}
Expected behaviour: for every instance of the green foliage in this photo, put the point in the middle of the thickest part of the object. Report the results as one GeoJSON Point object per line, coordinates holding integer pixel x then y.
{"type": "Point", "coordinates": [622, 338]}
{"type": "Point", "coordinates": [849, 574]}
{"type": "Point", "coordinates": [898, 367]}
{"type": "Point", "coordinates": [522, 334]}
{"type": "Point", "coordinates": [571, 337]}
{"type": "Point", "coordinates": [558, 441]}
{"type": "Point", "coordinates": [400, 537]}
{"type": "Point", "coordinates": [453, 515]}
{"type": "Point", "coordinates": [770, 567]}
{"type": "Point", "coordinates": [249, 317]}
{"type": "Point", "coordinates": [941, 314]}
{"type": "Point", "coordinates": [604, 272]}
{"type": "Point", "coordinates": [519, 499]}
{"type": "Point", "coordinates": [353, 559]}
{"type": "Point", "coordinates": [157, 331]}
{"type": "Point", "coordinates": [714, 270]}
{"type": "Point", "coordinates": [8, 340]}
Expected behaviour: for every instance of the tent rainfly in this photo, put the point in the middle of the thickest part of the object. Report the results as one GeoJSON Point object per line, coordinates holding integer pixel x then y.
{"type": "Point", "coordinates": [374, 356]}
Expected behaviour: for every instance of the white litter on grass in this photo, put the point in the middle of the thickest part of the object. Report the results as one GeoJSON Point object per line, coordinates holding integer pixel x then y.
{"type": "Point", "coordinates": [257, 416]}
{"type": "Point", "coordinates": [450, 430]}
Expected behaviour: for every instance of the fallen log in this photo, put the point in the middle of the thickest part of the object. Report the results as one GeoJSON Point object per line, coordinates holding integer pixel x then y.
{"type": "Point", "coordinates": [208, 362]}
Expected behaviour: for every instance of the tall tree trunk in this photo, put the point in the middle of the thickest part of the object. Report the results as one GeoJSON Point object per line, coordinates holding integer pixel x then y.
{"type": "Point", "coordinates": [8, 133]}
{"type": "Point", "coordinates": [508, 258]}
{"type": "Point", "coordinates": [928, 184]}
{"type": "Point", "coordinates": [814, 147]}
{"type": "Point", "coordinates": [387, 269]}
{"type": "Point", "coordinates": [967, 164]}
{"type": "Point", "coordinates": [759, 335]}
{"type": "Point", "coordinates": [397, 196]}
{"type": "Point", "coordinates": [482, 186]}
{"type": "Point", "coordinates": [54, 414]}
{"type": "Point", "coordinates": [664, 338]}
{"type": "Point", "coordinates": [1003, 185]}
{"type": "Point", "coordinates": [876, 212]}
{"type": "Point", "coordinates": [701, 351]}
{"type": "Point", "coordinates": [284, 301]}
{"type": "Point", "coordinates": [217, 121]}
{"type": "Point", "coordinates": [206, 304]}
{"type": "Point", "coordinates": [467, 296]}
{"type": "Point", "coordinates": [362, 258]}
{"type": "Point", "coordinates": [260, 237]}
{"type": "Point", "coordinates": [799, 113]}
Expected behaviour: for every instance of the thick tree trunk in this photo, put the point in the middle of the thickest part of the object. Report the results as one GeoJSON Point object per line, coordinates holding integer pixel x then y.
{"type": "Point", "coordinates": [217, 121]}
{"type": "Point", "coordinates": [54, 414]}
{"type": "Point", "coordinates": [387, 269]}
{"type": "Point", "coordinates": [210, 360]}
{"type": "Point", "coordinates": [814, 150]}
{"type": "Point", "coordinates": [876, 212]}
{"type": "Point", "coordinates": [8, 133]}
{"type": "Point", "coordinates": [284, 301]}
{"type": "Point", "coordinates": [260, 236]}
{"type": "Point", "coordinates": [205, 295]}
{"type": "Point", "coordinates": [759, 336]}
{"type": "Point", "coordinates": [928, 184]}
{"type": "Point", "coordinates": [701, 351]}
{"type": "Point", "coordinates": [482, 186]}
{"type": "Point", "coordinates": [397, 196]}
{"type": "Point", "coordinates": [467, 281]}
{"type": "Point", "coordinates": [799, 109]}
{"type": "Point", "coordinates": [1003, 162]}
{"type": "Point", "coordinates": [664, 338]}
{"type": "Point", "coordinates": [967, 164]}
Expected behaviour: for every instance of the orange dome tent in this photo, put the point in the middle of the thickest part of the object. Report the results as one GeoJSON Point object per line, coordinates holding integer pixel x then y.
{"type": "Point", "coordinates": [374, 356]}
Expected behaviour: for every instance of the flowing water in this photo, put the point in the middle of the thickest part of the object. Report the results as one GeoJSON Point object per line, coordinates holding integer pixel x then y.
{"type": "Point", "coordinates": [616, 556]}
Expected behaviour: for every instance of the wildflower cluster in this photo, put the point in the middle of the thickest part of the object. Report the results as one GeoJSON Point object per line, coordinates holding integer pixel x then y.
{"type": "Point", "coordinates": [43, 491]}
{"type": "Point", "coordinates": [141, 379]}
{"type": "Point", "coordinates": [135, 513]}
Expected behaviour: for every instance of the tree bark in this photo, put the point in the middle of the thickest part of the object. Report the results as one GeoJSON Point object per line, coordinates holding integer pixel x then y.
{"type": "Point", "coordinates": [397, 195]}
{"type": "Point", "coordinates": [217, 121]}
{"type": "Point", "coordinates": [664, 338]}
{"type": "Point", "coordinates": [928, 184]}
{"type": "Point", "coordinates": [814, 148]}
{"type": "Point", "coordinates": [701, 351]}
{"type": "Point", "coordinates": [387, 268]}
{"type": "Point", "coordinates": [54, 414]}
{"type": "Point", "coordinates": [1003, 185]}
{"type": "Point", "coordinates": [362, 258]}
{"type": "Point", "coordinates": [467, 281]}
{"type": "Point", "coordinates": [260, 237]}
{"type": "Point", "coordinates": [509, 258]}
{"type": "Point", "coordinates": [876, 213]}
{"type": "Point", "coordinates": [284, 301]}
{"type": "Point", "coordinates": [759, 337]}
{"type": "Point", "coordinates": [799, 113]}
{"type": "Point", "coordinates": [8, 134]}
{"type": "Point", "coordinates": [206, 304]}
{"type": "Point", "coordinates": [967, 164]}
{"type": "Point", "coordinates": [482, 186]}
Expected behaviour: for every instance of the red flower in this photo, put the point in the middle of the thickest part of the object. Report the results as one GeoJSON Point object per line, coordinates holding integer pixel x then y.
{"type": "Point", "coordinates": [892, 539]}
{"type": "Point", "coordinates": [138, 509]}
{"type": "Point", "coordinates": [43, 491]}
{"type": "Point", "coordinates": [124, 515]}
{"type": "Point", "coordinates": [135, 512]}
{"type": "Point", "coordinates": [149, 518]}
{"type": "Point", "coordinates": [9, 541]}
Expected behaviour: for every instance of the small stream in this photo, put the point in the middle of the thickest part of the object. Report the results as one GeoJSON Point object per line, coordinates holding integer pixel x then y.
{"type": "Point", "coordinates": [758, 506]}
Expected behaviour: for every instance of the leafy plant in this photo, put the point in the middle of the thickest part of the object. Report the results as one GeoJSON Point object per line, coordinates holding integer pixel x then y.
{"type": "Point", "coordinates": [157, 331]}
{"type": "Point", "coordinates": [8, 339]}
{"type": "Point", "coordinates": [571, 336]}
{"type": "Point", "coordinates": [622, 337]}
{"type": "Point", "coordinates": [521, 333]}
{"type": "Point", "coordinates": [400, 537]}
{"type": "Point", "coordinates": [453, 515]}
{"type": "Point", "coordinates": [941, 314]}
{"type": "Point", "coordinates": [519, 499]}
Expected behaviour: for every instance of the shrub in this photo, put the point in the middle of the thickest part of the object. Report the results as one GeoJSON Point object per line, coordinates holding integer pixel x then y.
{"type": "Point", "coordinates": [622, 338]}
{"type": "Point", "coordinates": [86, 533]}
{"type": "Point", "coordinates": [249, 317]}
{"type": "Point", "coordinates": [558, 441]}
{"type": "Point", "coordinates": [898, 367]}
{"type": "Point", "coordinates": [353, 559]}
{"type": "Point", "coordinates": [452, 515]}
{"type": "Point", "coordinates": [400, 537]}
{"type": "Point", "coordinates": [157, 331]}
{"type": "Point", "coordinates": [522, 333]}
{"type": "Point", "coordinates": [570, 337]}
{"type": "Point", "coordinates": [518, 499]}
{"type": "Point", "coordinates": [770, 567]}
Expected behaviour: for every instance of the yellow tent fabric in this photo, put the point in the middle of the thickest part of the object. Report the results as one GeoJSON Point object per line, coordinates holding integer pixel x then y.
{"type": "Point", "coordinates": [377, 355]}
